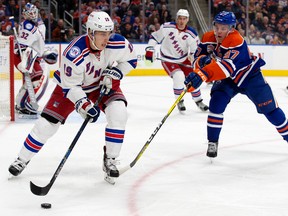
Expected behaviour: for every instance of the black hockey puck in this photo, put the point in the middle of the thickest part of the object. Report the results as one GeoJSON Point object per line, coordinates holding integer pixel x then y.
{"type": "Point", "coordinates": [46, 205]}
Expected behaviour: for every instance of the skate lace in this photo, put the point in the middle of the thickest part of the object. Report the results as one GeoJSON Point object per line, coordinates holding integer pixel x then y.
{"type": "Point", "coordinates": [112, 163]}
{"type": "Point", "coordinates": [19, 165]}
{"type": "Point", "coordinates": [212, 147]}
{"type": "Point", "coordinates": [201, 105]}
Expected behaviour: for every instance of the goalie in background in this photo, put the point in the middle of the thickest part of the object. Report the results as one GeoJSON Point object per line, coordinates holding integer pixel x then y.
{"type": "Point", "coordinates": [234, 71]}
{"type": "Point", "coordinates": [178, 45]}
{"type": "Point", "coordinates": [31, 38]}
{"type": "Point", "coordinates": [98, 58]}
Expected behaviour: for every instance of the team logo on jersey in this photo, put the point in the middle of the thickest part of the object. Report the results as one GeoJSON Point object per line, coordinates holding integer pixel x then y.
{"type": "Point", "coordinates": [29, 26]}
{"type": "Point", "coordinates": [74, 51]}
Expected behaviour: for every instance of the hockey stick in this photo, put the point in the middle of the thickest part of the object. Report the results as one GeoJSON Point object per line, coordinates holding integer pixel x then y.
{"type": "Point", "coordinates": [211, 54]}
{"type": "Point", "coordinates": [42, 191]}
{"type": "Point", "coordinates": [124, 169]}
{"type": "Point", "coordinates": [27, 78]}
{"type": "Point", "coordinates": [185, 65]}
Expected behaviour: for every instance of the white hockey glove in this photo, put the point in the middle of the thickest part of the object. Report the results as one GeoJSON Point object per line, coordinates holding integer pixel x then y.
{"type": "Point", "coordinates": [27, 62]}
{"type": "Point", "coordinates": [85, 108]}
{"type": "Point", "coordinates": [111, 80]}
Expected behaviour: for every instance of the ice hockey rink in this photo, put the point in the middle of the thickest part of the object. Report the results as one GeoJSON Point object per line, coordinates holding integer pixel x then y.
{"type": "Point", "coordinates": [172, 178]}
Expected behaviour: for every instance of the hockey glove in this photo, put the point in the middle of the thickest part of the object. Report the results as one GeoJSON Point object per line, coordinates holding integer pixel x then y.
{"type": "Point", "coordinates": [111, 80]}
{"type": "Point", "coordinates": [195, 79]}
{"type": "Point", "coordinates": [85, 108]}
{"type": "Point", "coordinates": [149, 53]}
{"type": "Point", "coordinates": [202, 61]}
{"type": "Point", "coordinates": [27, 62]}
{"type": "Point", "coordinates": [50, 56]}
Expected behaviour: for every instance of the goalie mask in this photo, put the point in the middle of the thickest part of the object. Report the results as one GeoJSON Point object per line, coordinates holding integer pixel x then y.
{"type": "Point", "coordinates": [30, 12]}
{"type": "Point", "coordinates": [50, 56]}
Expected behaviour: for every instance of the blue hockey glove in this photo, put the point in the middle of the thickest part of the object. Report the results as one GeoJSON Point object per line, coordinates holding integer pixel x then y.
{"type": "Point", "coordinates": [204, 60]}
{"type": "Point", "coordinates": [85, 108]}
{"type": "Point", "coordinates": [195, 79]}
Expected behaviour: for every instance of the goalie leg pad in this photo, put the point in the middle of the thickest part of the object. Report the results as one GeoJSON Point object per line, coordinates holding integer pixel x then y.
{"type": "Point", "coordinates": [21, 97]}
{"type": "Point", "coordinates": [39, 85]}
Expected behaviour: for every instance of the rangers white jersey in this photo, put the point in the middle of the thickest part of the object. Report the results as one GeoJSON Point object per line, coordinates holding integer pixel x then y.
{"type": "Point", "coordinates": [176, 45]}
{"type": "Point", "coordinates": [32, 35]}
{"type": "Point", "coordinates": [81, 68]}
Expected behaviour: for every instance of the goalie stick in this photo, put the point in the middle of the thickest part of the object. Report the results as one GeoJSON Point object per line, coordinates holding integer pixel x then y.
{"type": "Point", "coordinates": [124, 169]}
{"type": "Point", "coordinates": [27, 78]}
{"type": "Point", "coordinates": [42, 191]}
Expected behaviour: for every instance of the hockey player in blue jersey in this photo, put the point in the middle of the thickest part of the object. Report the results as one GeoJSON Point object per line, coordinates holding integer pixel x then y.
{"type": "Point", "coordinates": [100, 58]}
{"type": "Point", "coordinates": [236, 71]}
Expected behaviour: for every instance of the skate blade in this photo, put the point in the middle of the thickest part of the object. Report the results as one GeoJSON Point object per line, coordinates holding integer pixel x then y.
{"type": "Point", "coordinates": [109, 179]}
{"type": "Point", "coordinates": [10, 177]}
{"type": "Point", "coordinates": [24, 116]}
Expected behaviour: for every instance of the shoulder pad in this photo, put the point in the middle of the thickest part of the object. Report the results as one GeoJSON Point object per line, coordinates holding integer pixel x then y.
{"type": "Point", "coordinates": [169, 25]}
{"type": "Point", "coordinates": [208, 37]}
{"type": "Point", "coordinates": [75, 49]}
{"type": "Point", "coordinates": [190, 29]}
{"type": "Point", "coordinates": [116, 37]}
{"type": "Point", "coordinates": [28, 25]}
{"type": "Point", "coordinates": [233, 39]}
{"type": "Point", "coordinates": [116, 41]}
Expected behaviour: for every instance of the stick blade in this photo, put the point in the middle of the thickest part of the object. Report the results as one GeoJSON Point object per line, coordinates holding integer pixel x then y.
{"type": "Point", "coordinates": [39, 191]}
{"type": "Point", "coordinates": [124, 169]}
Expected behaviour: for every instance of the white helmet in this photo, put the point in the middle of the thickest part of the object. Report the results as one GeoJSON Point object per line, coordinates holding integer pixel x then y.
{"type": "Point", "coordinates": [99, 21]}
{"type": "Point", "coordinates": [30, 12]}
{"type": "Point", "coordinates": [182, 12]}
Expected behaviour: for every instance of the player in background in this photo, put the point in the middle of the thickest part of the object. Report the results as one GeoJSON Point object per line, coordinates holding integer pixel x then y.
{"type": "Point", "coordinates": [236, 71]}
{"type": "Point", "coordinates": [178, 44]}
{"type": "Point", "coordinates": [31, 38]}
{"type": "Point", "coordinates": [98, 58]}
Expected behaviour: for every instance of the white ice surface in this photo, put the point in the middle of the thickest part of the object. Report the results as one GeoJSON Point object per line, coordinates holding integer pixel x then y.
{"type": "Point", "coordinates": [172, 178]}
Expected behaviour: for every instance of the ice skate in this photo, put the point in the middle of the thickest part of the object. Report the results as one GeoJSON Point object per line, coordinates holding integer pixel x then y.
{"type": "Point", "coordinates": [212, 149]}
{"type": "Point", "coordinates": [25, 113]}
{"type": "Point", "coordinates": [110, 169]}
{"type": "Point", "coordinates": [17, 167]}
{"type": "Point", "coordinates": [181, 106]}
{"type": "Point", "coordinates": [203, 107]}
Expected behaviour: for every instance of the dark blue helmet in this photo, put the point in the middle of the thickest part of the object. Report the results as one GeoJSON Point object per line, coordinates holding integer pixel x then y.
{"type": "Point", "coordinates": [225, 18]}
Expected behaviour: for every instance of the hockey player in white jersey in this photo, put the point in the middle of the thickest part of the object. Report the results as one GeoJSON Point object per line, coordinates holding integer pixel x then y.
{"type": "Point", "coordinates": [100, 58]}
{"type": "Point", "coordinates": [31, 39]}
{"type": "Point", "coordinates": [178, 45]}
